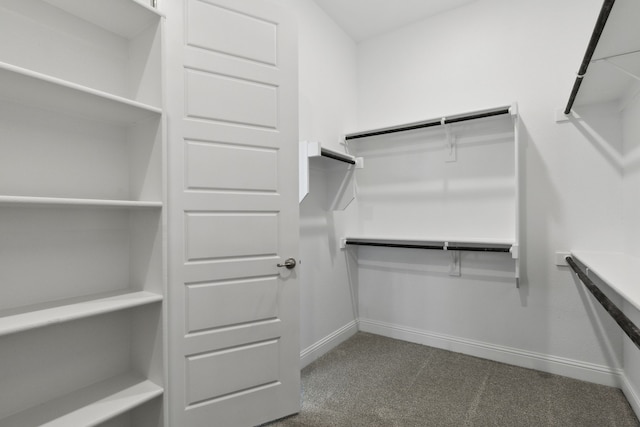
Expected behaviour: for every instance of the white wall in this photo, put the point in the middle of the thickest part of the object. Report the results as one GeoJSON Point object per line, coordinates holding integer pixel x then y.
{"type": "Point", "coordinates": [492, 53]}
{"type": "Point", "coordinates": [631, 163]}
{"type": "Point", "coordinates": [327, 111]}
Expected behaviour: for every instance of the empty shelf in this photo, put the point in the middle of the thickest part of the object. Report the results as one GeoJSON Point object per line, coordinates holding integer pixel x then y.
{"type": "Point", "coordinates": [36, 316]}
{"type": "Point", "coordinates": [615, 269]}
{"type": "Point", "coordinates": [89, 406]}
{"type": "Point", "coordinates": [41, 91]}
{"type": "Point", "coordinates": [124, 17]}
{"type": "Point", "coordinates": [63, 201]}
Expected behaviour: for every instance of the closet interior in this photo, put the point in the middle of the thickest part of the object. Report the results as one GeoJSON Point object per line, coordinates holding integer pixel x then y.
{"type": "Point", "coordinates": [83, 213]}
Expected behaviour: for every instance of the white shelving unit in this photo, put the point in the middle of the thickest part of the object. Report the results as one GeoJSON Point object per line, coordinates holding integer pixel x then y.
{"type": "Point", "coordinates": [81, 213]}
{"type": "Point", "coordinates": [448, 183]}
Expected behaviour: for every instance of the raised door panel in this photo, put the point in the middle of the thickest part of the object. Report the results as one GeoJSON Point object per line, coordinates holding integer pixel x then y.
{"type": "Point", "coordinates": [235, 33]}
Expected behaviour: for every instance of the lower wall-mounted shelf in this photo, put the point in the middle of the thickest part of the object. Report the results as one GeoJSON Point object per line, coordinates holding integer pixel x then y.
{"type": "Point", "coordinates": [454, 246]}
{"type": "Point", "coordinates": [89, 406]}
{"type": "Point", "coordinates": [617, 270]}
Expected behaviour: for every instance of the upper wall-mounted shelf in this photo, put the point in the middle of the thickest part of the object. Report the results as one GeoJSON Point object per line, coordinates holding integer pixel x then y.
{"type": "Point", "coordinates": [341, 186]}
{"type": "Point", "coordinates": [472, 245]}
{"type": "Point", "coordinates": [41, 91]}
{"type": "Point", "coordinates": [434, 122]}
{"type": "Point", "coordinates": [610, 69]}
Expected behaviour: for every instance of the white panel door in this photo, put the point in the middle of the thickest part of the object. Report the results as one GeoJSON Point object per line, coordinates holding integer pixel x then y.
{"type": "Point", "coordinates": [233, 213]}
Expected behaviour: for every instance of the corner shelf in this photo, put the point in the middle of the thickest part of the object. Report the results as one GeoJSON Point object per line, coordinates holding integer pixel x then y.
{"type": "Point", "coordinates": [91, 405]}
{"type": "Point", "coordinates": [45, 92]}
{"type": "Point", "coordinates": [342, 187]}
{"type": "Point", "coordinates": [616, 269]}
{"type": "Point", "coordinates": [27, 318]}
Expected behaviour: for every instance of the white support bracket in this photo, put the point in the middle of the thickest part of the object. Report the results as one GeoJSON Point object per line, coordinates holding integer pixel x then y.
{"type": "Point", "coordinates": [454, 266]}
{"type": "Point", "coordinates": [515, 251]}
{"type": "Point", "coordinates": [513, 110]}
{"type": "Point", "coordinates": [452, 152]}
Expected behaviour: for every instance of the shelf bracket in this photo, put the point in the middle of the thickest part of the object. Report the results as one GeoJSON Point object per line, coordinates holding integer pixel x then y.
{"type": "Point", "coordinates": [451, 155]}
{"type": "Point", "coordinates": [454, 266]}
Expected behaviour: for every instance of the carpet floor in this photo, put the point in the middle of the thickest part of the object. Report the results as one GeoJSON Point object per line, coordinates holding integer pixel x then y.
{"type": "Point", "coordinates": [371, 380]}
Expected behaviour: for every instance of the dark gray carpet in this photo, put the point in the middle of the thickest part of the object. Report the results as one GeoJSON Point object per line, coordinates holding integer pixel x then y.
{"type": "Point", "coordinates": [375, 381]}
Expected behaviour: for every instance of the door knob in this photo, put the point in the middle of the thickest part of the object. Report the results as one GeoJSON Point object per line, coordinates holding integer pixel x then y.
{"type": "Point", "coordinates": [289, 263]}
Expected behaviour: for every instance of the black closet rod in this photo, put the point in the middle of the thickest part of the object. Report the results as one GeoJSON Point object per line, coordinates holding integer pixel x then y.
{"type": "Point", "coordinates": [591, 48]}
{"type": "Point", "coordinates": [427, 124]}
{"type": "Point", "coordinates": [440, 247]}
{"type": "Point", "coordinates": [621, 319]}
{"type": "Point", "coordinates": [334, 156]}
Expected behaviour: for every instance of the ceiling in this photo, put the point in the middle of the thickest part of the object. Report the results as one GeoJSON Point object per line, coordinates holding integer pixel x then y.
{"type": "Point", "coordinates": [362, 19]}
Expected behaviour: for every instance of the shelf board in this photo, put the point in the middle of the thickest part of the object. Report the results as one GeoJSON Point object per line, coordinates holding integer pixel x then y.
{"type": "Point", "coordinates": [89, 406]}
{"type": "Point", "coordinates": [475, 115]}
{"type": "Point", "coordinates": [37, 316]}
{"type": "Point", "coordinates": [63, 201]}
{"type": "Point", "coordinates": [41, 91]}
{"type": "Point", "coordinates": [124, 17]}
{"type": "Point", "coordinates": [477, 244]}
{"type": "Point", "coordinates": [617, 270]}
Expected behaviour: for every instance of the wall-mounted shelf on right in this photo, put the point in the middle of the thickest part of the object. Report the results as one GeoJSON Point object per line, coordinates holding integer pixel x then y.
{"type": "Point", "coordinates": [610, 69]}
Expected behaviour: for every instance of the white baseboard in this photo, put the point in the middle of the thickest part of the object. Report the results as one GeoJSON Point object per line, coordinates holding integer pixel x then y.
{"type": "Point", "coordinates": [631, 394]}
{"type": "Point", "coordinates": [327, 343]}
{"type": "Point", "coordinates": [584, 371]}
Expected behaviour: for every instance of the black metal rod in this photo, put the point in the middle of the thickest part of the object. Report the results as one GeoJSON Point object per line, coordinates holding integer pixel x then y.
{"type": "Point", "coordinates": [395, 245]}
{"type": "Point", "coordinates": [476, 116]}
{"type": "Point", "coordinates": [334, 156]}
{"type": "Point", "coordinates": [477, 248]}
{"type": "Point", "coordinates": [621, 319]}
{"type": "Point", "coordinates": [440, 246]}
{"type": "Point", "coordinates": [412, 126]}
{"type": "Point", "coordinates": [427, 124]}
{"type": "Point", "coordinates": [591, 48]}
